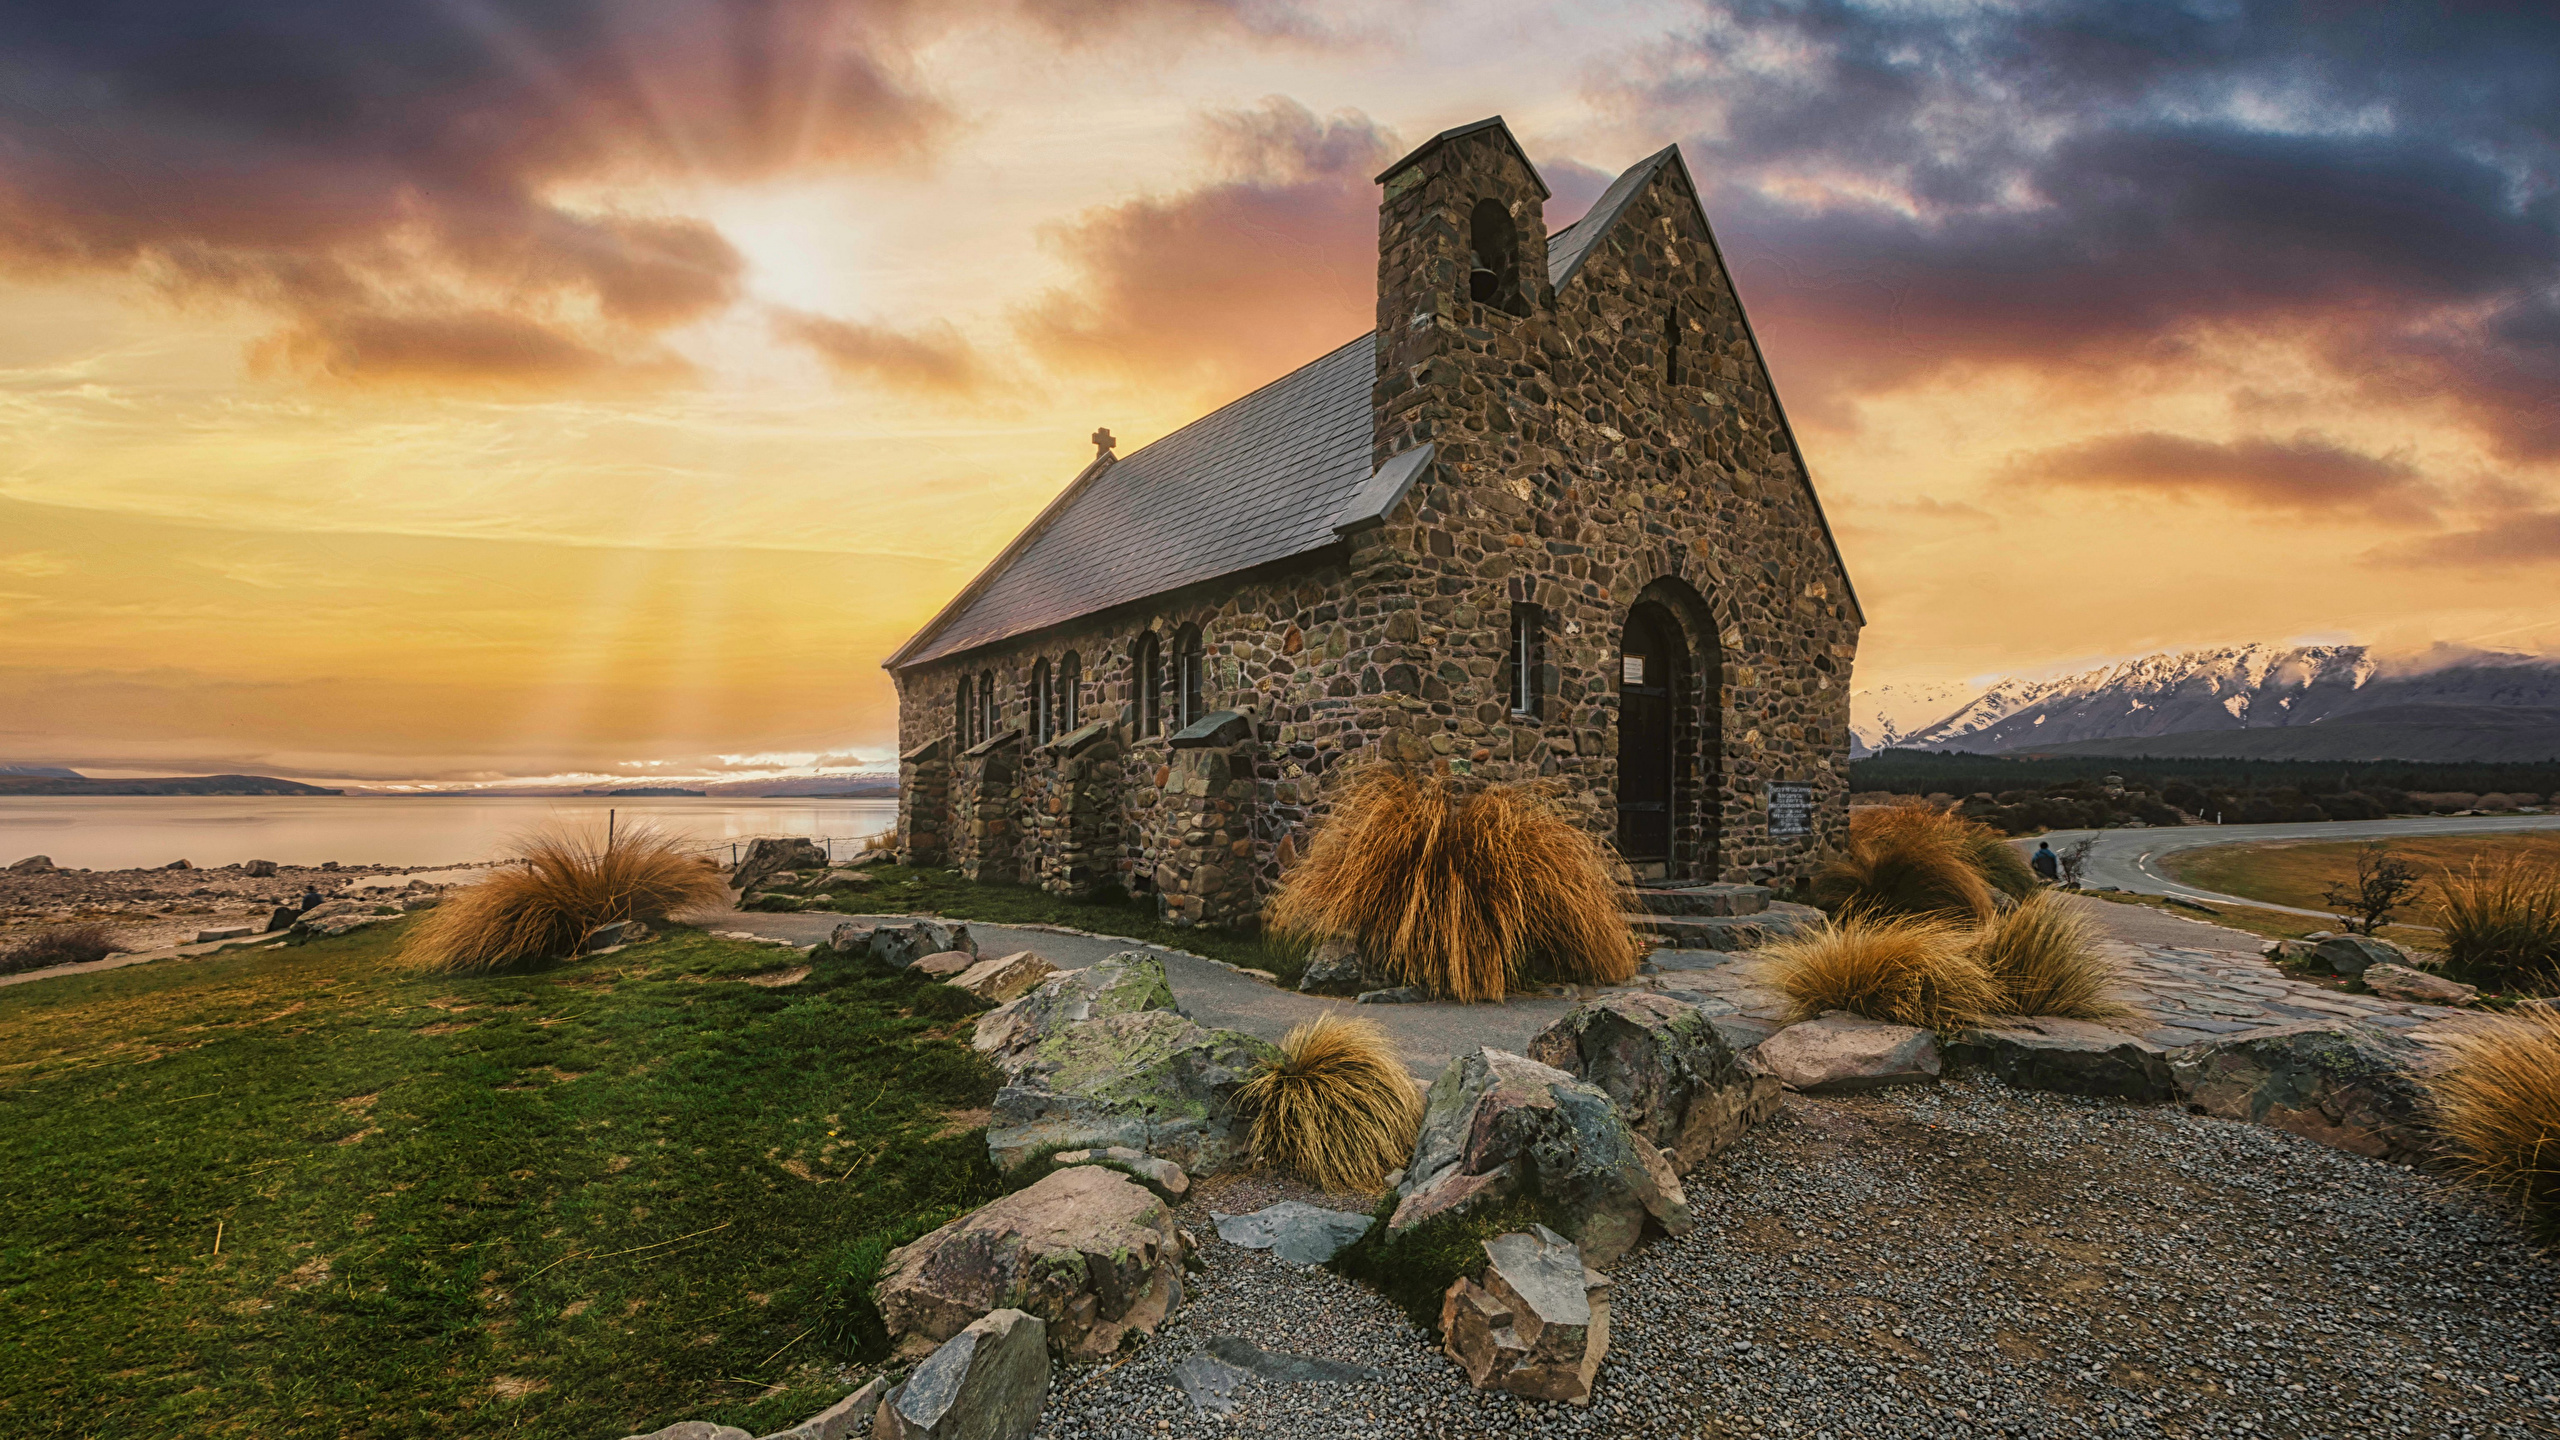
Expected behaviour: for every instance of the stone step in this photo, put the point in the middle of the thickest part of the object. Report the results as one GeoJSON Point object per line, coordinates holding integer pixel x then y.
{"type": "Point", "coordinates": [1690, 899]}
{"type": "Point", "coordinates": [1726, 932]}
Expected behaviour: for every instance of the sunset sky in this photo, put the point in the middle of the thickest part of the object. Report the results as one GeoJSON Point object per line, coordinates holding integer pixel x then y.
{"type": "Point", "coordinates": [473, 390]}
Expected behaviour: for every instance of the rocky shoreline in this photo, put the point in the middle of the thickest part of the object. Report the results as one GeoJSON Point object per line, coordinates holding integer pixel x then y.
{"type": "Point", "coordinates": [169, 905]}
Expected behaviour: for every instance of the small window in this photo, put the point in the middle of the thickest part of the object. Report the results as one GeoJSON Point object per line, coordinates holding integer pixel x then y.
{"type": "Point", "coordinates": [960, 716]}
{"type": "Point", "coordinates": [1188, 683]}
{"type": "Point", "coordinates": [1671, 347]}
{"type": "Point", "coordinates": [1150, 678]}
{"type": "Point", "coordinates": [1070, 680]}
{"type": "Point", "coordinates": [1040, 703]}
{"type": "Point", "coordinates": [986, 706]}
{"type": "Point", "coordinates": [1493, 273]}
{"type": "Point", "coordinates": [1526, 622]}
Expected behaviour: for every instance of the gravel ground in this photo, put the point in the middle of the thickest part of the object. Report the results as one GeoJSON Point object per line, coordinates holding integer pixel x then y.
{"type": "Point", "coordinates": [1966, 1260]}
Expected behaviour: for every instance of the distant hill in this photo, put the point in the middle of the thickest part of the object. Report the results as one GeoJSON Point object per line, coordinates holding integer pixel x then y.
{"type": "Point", "coordinates": [2319, 702]}
{"type": "Point", "coordinates": [42, 772]}
{"type": "Point", "coordinates": [174, 785]}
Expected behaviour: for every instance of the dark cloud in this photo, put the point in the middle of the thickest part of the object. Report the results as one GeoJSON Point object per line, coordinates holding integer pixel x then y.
{"type": "Point", "coordinates": [2094, 182]}
{"type": "Point", "coordinates": [1267, 266]}
{"type": "Point", "coordinates": [2307, 474]}
{"type": "Point", "coordinates": [936, 360]}
{"type": "Point", "coordinates": [2530, 537]}
{"type": "Point", "coordinates": [1572, 188]}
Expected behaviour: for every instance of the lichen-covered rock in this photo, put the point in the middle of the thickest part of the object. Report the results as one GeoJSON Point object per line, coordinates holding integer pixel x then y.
{"type": "Point", "coordinates": [899, 946]}
{"type": "Point", "coordinates": [1162, 1176]}
{"type": "Point", "coordinates": [1496, 1121]}
{"type": "Point", "coordinates": [985, 1383]}
{"type": "Point", "coordinates": [1147, 1079]}
{"type": "Point", "coordinates": [1088, 1250]}
{"type": "Point", "coordinates": [1840, 1053]}
{"type": "Point", "coordinates": [1539, 1324]}
{"type": "Point", "coordinates": [1125, 983]}
{"type": "Point", "coordinates": [1005, 976]}
{"type": "Point", "coordinates": [1334, 970]}
{"type": "Point", "coordinates": [2073, 1057]}
{"type": "Point", "coordinates": [2342, 1084]}
{"type": "Point", "coordinates": [1670, 1072]}
{"type": "Point", "coordinates": [2417, 987]}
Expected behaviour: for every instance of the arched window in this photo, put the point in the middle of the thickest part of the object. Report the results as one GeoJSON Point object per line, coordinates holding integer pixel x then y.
{"type": "Point", "coordinates": [961, 719]}
{"type": "Point", "coordinates": [986, 706]}
{"type": "Point", "coordinates": [1040, 703]}
{"type": "Point", "coordinates": [1149, 667]}
{"type": "Point", "coordinates": [1189, 684]}
{"type": "Point", "coordinates": [1070, 681]}
{"type": "Point", "coordinates": [1493, 275]}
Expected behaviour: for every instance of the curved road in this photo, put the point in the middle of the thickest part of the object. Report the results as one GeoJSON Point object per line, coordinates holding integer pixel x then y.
{"type": "Point", "coordinates": [2130, 859]}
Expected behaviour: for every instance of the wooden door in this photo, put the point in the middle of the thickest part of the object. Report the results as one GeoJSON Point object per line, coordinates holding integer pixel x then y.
{"type": "Point", "coordinates": [1648, 667]}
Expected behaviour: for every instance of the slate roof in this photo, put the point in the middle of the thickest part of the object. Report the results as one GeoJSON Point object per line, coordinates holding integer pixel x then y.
{"type": "Point", "coordinates": [1264, 478]}
{"type": "Point", "coordinates": [1570, 246]}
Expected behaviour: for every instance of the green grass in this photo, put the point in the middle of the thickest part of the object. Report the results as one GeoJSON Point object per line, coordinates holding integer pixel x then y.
{"type": "Point", "coordinates": [585, 1201]}
{"type": "Point", "coordinates": [902, 890]}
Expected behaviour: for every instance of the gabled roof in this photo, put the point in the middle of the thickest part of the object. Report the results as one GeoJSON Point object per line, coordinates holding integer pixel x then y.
{"type": "Point", "coordinates": [1570, 246]}
{"type": "Point", "coordinates": [1275, 474]}
{"type": "Point", "coordinates": [1493, 122]}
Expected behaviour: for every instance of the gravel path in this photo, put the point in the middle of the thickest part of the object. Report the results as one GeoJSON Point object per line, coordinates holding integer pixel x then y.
{"type": "Point", "coordinates": [1964, 1260]}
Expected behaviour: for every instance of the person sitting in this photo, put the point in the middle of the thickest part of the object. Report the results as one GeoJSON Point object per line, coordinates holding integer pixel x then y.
{"type": "Point", "coordinates": [310, 898]}
{"type": "Point", "coordinates": [2048, 865]}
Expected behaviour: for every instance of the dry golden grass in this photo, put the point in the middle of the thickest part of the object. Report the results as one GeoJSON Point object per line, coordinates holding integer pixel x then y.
{"type": "Point", "coordinates": [2498, 1104]}
{"type": "Point", "coordinates": [1906, 860]}
{"type": "Point", "coordinates": [1466, 894]}
{"type": "Point", "coordinates": [1904, 969]}
{"type": "Point", "coordinates": [2501, 922]}
{"type": "Point", "coordinates": [2044, 957]}
{"type": "Point", "coordinates": [1999, 862]}
{"type": "Point", "coordinates": [564, 887]}
{"type": "Point", "coordinates": [1337, 1109]}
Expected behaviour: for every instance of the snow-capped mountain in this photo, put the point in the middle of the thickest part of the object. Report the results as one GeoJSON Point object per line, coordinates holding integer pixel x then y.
{"type": "Point", "coordinates": [1889, 715]}
{"type": "Point", "coordinates": [2448, 704]}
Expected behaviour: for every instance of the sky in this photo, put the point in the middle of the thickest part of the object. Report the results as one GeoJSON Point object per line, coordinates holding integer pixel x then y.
{"type": "Point", "coordinates": [473, 391]}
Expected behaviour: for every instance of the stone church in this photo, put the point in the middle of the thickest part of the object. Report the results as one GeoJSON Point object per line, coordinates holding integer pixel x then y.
{"type": "Point", "coordinates": [1547, 520]}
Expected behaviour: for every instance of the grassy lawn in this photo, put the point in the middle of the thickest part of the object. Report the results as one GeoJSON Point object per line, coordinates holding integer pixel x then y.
{"type": "Point", "coordinates": [901, 890]}
{"type": "Point", "coordinates": [300, 1192]}
{"type": "Point", "coordinates": [2294, 872]}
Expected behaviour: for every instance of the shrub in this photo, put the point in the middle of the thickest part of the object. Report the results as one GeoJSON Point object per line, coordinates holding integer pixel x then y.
{"type": "Point", "coordinates": [2501, 922]}
{"type": "Point", "coordinates": [1907, 860]}
{"type": "Point", "coordinates": [61, 945]}
{"type": "Point", "coordinates": [1465, 893]}
{"type": "Point", "coordinates": [1999, 863]}
{"type": "Point", "coordinates": [1337, 1108]}
{"type": "Point", "coordinates": [563, 889]}
{"type": "Point", "coordinates": [2044, 958]}
{"type": "Point", "coordinates": [2498, 1104]}
{"type": "Point", "coordinates": [1908, 970]}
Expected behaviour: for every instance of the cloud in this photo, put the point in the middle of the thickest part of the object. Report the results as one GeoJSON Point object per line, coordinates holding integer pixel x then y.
{"type": "Point", "coordinates": [2093, 183]}
{"type": "Point", "coordinates": [935, 360]}
{"type": "Point", "coordinates": [2529, 537]}
{"type": "Point", "coordinates": [2307, 474]}
{"type": "Point", "coordinates": [1265, 266]}
{"type": "Point", "coordinates": [1573, 188]}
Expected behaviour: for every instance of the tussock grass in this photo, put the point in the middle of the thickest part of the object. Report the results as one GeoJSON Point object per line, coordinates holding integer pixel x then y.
{"type": "Point", "coordinates": [1337, 1108]}
{"type": "Point", "coordinates": [1904, 969]}
{"type": "Point", "coordinates": [1466, 893]}
{"type": "Point", "coordinates": [2501, 923]}
{"type": "Point", "coordinates": [2044, 958]}
{"type": "Point", "coordinates": [1999, 862]}
{"type": "Point", "coordinates": [61, 945]}
{"type": "Point", "coordinates": [2498, 1104]}
{"type": "Point", "coordinates": [1907, 860]}
{"type": "Point", "coordinates": [566, 886]}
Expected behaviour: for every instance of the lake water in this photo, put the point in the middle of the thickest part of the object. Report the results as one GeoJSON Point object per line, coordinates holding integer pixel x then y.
{"type": "Point", "coordinates": [115, 832]}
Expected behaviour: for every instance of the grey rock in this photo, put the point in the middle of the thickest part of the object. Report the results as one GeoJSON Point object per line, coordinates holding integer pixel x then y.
{"type": "Point", "coordinates": [1294, 1230]}
{"type": "Point", "coordinates": [1538, 1325]}
{"type": "Point", "coordinates": [225, 932]}
{"type": "Point", "coordinates": [1124, 983]}
{"type": "Point", "coordinates": [2072, 1057]}
{"type": "Point", "coordinates": [767, 858]}
{"type": "Point", "coordinates": [1209, 1382]}
{"type": "Point", "coordinates": [2343, 1084]}
{"type": "Point", "coordinates": [1333, 970]}
{"type": "Point", "coordinates": [1669, 1070]}
{"type": "Point", "coordinates": [259, 869]}
{"type": "Point", "coordinates": [1841, 1053]}
{"type": "Point", "coordinates": [1495, 1121]}
{"type": "Point", "coordinates": [850, 938]}
{"type": "Point", "coordinates": [605, 937]}
{"type": "Point", "coordinates": [1162, 1176]}
{"type": "Point", "coordinates": [1289, 1369]}
{"type": "Point", "coordinates": [1400, 995]}
{"type": "Point", "coordinates": [986, 1383]}
{"type": "Point", "coordinates": [899, 946]}
{"type": "Point", "coordinates": [2352, 955]}
{"type": "Point", "coordinates": [1087, 1249]}
{"type": "Point", "coordinates": [282, 918]}
{"type": "Point", "coordinates": [2399, 982]}
{"type": "Point", "coordinates": [1004, 977]}
{"type": "Point", "coordinates": [943, 964]}
{"type": "Point", "coordinates": [847, 1419]}
{"type": "Point", "coordinates": [1149, 1080]}
{"type": "Point", "coordinates": [693, 1430]}
{"type": "Point", "coordinates": [33, 865]}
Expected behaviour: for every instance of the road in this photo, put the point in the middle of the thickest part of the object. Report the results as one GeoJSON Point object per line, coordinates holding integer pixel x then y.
{"type": "Point", "coordinates": [2131, 859]}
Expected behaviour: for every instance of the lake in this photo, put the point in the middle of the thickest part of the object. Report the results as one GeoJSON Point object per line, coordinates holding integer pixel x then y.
{"type": "Point", "coordinates": [117, 832]}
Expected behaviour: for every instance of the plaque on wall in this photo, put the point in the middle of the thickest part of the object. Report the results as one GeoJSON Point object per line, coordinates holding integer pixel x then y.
{"type": "Point", "coordinates": [1790, 808]}
{"type": "Point", "coordinates": [1631, 670]}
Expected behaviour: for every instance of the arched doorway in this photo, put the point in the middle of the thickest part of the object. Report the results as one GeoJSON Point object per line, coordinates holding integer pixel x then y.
{"type": "Point", "coordinates": [1651, 658]}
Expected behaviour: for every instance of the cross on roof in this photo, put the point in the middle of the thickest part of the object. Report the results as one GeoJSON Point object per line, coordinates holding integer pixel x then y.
{"type": "Point", "coordinates": [1102, 443]}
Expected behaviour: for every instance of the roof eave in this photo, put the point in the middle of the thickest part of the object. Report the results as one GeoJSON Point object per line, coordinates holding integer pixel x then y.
{"type": "Point", "coordinates": [1460, 132]}
{"type": "Point", "coordinates": [1004, 559]}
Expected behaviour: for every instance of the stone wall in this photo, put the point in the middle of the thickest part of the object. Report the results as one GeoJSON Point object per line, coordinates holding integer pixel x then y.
{"type": "Point", "coordinates": [986, 808]}
{"type": "Point", "coordinates": [924, 803]}
{"type": "Point", "coordinates": [1072, 823]}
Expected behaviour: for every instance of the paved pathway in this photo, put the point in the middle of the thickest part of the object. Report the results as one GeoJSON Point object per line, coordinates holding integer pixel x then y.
{"type": "Point", "coordinates": [2131, 859]}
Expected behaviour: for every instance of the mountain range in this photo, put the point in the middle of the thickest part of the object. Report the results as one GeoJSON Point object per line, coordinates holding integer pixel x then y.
{"type": "Point", "coordinates": [2262, 702]}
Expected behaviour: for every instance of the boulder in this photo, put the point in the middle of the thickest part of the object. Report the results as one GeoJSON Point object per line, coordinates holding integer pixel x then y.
{"type": "Point", "coordinates": [2352, 955]}
{"type": "Point", "coordinates": [1537, 1326]}
{"type": "Point", "coordinates": [899, 946]}
{"type": "Point", "coordinates": [259, 869]}
{"type": "Point", "coordinates": [850, 1418]}
{"type": "Point", "coordinates": [767, 858]}
{"type": "Point", "coordinates": [1162, 1176]}
{"type": "Point", "coordinates": [1667, 1068]}
{"type": "Point", "coordinates": [1294, 1230]}
{"type": "Point", "coordinates": [2346, 1085]}
{"type": "Point", "coordinates": [225, 932]}
{"type": "Point", "coordinates": [282, 917]}
{"type": "Point", "coordinates": [2073, 1057]}
{"type": "Point", "coordinates": [1005, 976]}
{"type": "Point", "coordinates": [2399, 982]}
{"type": "Point", "coordinates": [1129, 981]}
{"type": "Point", "coordinates": [1400, 995]}
{"type": "Point", "coordinates": [985, 1383]}
{"type": "Point", "coordinates": [1150, 1080]}
{"type": "Point", "coordinates": [1496, 1121]}
{"type": "Point", "coordinates": [33, 865]}
{"type": "Point", "coordinates": [428, 900]}
{"type": "Point", "coordinates": [1334, 970]}
{"type": "Point", "coordinates": [944, 964]}
{"type": "Point", "coordinates": [2286, 952]}
{"type": "Point", "coordinates": [179, 865]}
{"type": "Point", "coordinates": [606, 936]}
{"type": "Point", "coordinates": [693, 1430]}
{"type": "Point", "coordinates": [1841, 1053]}
{"type": "Point", "coordinates": [1087, 1249]}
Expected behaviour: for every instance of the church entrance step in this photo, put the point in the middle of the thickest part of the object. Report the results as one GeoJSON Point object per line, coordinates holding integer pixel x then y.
{"type": "Point", "coordinates": [1726, 932]}
{"type": "Point", "coordinates": [1689, 898]}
